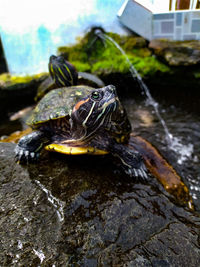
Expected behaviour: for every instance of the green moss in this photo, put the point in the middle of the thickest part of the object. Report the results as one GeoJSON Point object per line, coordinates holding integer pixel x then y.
{"type": "Point", "coordinates": [73, 53]}
{"type": "Point", "coordinates": [142, 52]}
{"type": "Point", "coordinates": [197, 74]}
{"type": "Point", "coordinates": [106, 67]}
{"type": "Point", "coordinates": [103, 57]}
{"type": "Point", "coordinates": [149, 66]}
{"type": "Point", "coordinates": [81, 66]}
{"type": "Point", "coordinates": [7, 79]}
{"type": "Point", "coordinates": [128, 42]}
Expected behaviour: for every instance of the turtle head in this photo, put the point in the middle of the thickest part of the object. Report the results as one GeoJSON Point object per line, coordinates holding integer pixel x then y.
{"type": "Point", "coordinates": [62, 72]}
{"type": "Point", "coordinates": [93, 112]}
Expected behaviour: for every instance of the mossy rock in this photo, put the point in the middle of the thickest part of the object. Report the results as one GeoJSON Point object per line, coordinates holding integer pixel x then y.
{"type": "Point", "coordinates": [18, 91]}
{"type": "Point", "coordinates": [177, 53]}
{"type": "Point", "coordinates": [7, 80]}
{"type": "Point", "coordinates": [103, 57]}
{"type": "Point", "coordinates": [197, 74]}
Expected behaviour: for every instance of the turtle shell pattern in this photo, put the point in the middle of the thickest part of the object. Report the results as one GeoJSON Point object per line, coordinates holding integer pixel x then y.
{"type": "Point", "coordinates": [58, 103]}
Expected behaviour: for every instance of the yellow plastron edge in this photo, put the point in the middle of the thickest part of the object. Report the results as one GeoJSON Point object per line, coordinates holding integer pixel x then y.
{"type": "Point", "coordinates": [69, 150]}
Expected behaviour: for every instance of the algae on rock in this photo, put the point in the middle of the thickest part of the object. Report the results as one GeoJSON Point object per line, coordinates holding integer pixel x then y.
{"type": "Point", "coordinates": [18, 91]}
{"type": "Point", "coordinates": [103, 57]}
{"type": "Point", "coordinates": [6, 79]}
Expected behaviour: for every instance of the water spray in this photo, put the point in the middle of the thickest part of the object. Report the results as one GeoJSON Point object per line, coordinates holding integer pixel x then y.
{"type": "Point", "coordinates": [141, 83]}
{"type": "Point", "coordinates": [174, 143]}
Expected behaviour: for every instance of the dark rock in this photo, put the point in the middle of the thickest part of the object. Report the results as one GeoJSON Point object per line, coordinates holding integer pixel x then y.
{"type": "Point", "coordinates": [77, 210]}
{"type": "Point", "coordinates": [28, 222]}
{"type": "Point", "coordinates": [17, 92]}
{"type": "Point", "coordinates": [177, 53]}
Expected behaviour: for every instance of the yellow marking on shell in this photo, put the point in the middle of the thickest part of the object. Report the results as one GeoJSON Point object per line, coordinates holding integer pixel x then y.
{"type": "Point", "coordinates": [68, 150]}
{"type": "Point", "coordinates": [59, 69]}
{"type": "Point", "coordinates": [63, 75]}
{"type": "Point", "coordinates": [61, 81]}
{"type": "Point", "coordinates": [122, 139]}
{"type": "Point", "coordinates": [52, 70]}
{"type": "Point", "coordinates": [68, 71]}
{"type": "Point", "coordinates": [118, 140]}
{"type": "Point", "coordinates": [78, 93]}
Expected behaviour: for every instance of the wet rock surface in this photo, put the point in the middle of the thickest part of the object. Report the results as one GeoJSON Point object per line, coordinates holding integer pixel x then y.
{"type": "Point", "coordinates": [177, 53]}
{"type": "Point", "coordinates": [78, 211]}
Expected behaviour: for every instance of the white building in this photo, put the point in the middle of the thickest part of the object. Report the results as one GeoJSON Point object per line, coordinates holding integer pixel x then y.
{"type": "Point", "coordinates": [154, 19]}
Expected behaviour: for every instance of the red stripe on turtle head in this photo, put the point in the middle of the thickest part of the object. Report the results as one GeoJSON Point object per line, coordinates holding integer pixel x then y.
{"type": "Point", "coordinates": [77, 106]}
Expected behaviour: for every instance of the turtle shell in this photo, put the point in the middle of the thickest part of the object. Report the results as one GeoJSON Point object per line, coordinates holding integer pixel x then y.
{"type": "Point", "coordinates": [58, 103]}
{"type": "Point", "coordinates": [84, 78]}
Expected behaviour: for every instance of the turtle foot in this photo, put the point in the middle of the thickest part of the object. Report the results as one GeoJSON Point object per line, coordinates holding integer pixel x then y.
{"type": "Point", "coordinates": [25, 156]}
{"type": "Point", "coordinates": [139, 173]}
{"type": "Point", "coordinates": [131, 161]}
{"type": "Point", "coordinates": [29, 147]}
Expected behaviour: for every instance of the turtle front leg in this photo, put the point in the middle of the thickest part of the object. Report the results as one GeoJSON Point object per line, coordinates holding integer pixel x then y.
{"type": "Point", "coordinates": [29, 147]}
{"type": "Point", "coordinates": [132, 161]}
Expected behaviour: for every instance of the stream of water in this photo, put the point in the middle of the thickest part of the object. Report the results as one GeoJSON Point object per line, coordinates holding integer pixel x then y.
{"type": "Point", "coordinates": [142, 85]}
{"type": "Point", "coordinates": [173, 143]}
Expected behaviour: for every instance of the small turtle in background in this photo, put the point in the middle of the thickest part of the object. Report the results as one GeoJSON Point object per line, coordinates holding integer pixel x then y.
{"type": "Point", "coordinates": [63, 73]}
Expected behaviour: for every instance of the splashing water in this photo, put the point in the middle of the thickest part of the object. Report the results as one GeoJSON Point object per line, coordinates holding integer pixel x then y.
{"type": "Point", "coordinates": [173, 143]}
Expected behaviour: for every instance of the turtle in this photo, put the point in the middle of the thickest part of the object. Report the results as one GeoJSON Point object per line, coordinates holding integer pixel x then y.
{"type": "Point", "coordinates": [81, 120]}
{"type": "Point", "coordinates": [63, 73]}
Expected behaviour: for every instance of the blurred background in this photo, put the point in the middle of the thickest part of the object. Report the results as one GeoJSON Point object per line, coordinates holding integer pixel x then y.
{"type": "Point", "coordinates": [32, 30]}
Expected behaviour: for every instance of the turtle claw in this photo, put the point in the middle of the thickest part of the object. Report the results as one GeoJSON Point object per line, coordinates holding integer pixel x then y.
{"type": "Point", "coordinates": [143, 172]}
{"type": "Point", "coordinates": [140, 173]}
{"type": "Point", "coordinates": [131, 161]}
{"type": "Point", "coordinates": [29, 146]}
{"type": "Point", "coordinates": [25, 156]}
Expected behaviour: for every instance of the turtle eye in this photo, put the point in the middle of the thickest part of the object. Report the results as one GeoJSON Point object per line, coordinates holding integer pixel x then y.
{"type": "Point", "coordinates": [96, 95]}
